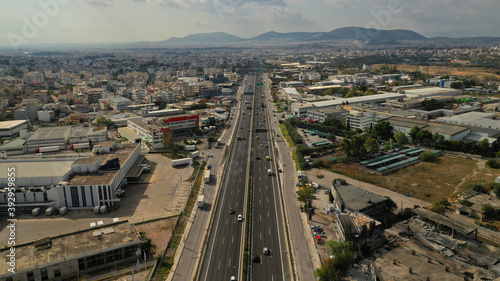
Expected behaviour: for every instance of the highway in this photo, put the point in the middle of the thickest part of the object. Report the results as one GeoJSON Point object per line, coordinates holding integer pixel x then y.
{"type": "Point", "coordinates": [267, 220]}
{"type": "Point", "coordinates": [225, 248]}
{"type": "Point", "coordinates": [304, 254]}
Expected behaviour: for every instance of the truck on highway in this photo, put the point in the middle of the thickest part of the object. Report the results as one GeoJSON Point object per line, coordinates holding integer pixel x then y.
{"type": "Point", "coordinates": [47, 149]}
{"type": "Point", "coordinates": [201, 201]}
{"type": "Point", "coordinates": [206, 176]}
{"type": "Point", "coordinates": [195, 154]}
{"type": "Point", "coordinates": [190, 147]}
{"type": "Point", "coordinates": [180, 162]}
{"type": "Point", "coordinates": [84, 145]}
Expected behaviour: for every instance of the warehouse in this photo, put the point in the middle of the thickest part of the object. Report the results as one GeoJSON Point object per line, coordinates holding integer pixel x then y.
{"type": "Point", "coordinates": [431, 92]}
{"type": "Point", "coordinates": [71, 182]}
{"type": "Point", "coordinates": [100, 249]}
{"type": "Point", "coordinates": [354, 199]}
{"type": "Point", "coordinates": [449, 132]}
{"type": "Point", "coordinates": [9, 129]}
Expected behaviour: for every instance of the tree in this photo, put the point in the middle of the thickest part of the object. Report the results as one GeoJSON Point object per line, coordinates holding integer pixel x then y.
{"type": "Point", "coordinates": [328, 271]}
{"type": "Point", "coordinates": [343, 255]}
{"type": "Point", "coordinates": [371, 145]}
{"type": "Point", "coordinates": [432, 104]}
{"type": "Point", "coordinates": [305, 195]}
{"type": "Point", "coordinates": [496, 189]}
{"type": "Point", "coordinates": [103, 121]}
{"type": "Point", "coordinates": [331, 138]}
{"type": "Point", "coordinates": [428, 156]}
{"type": "Point", "coordinates": [489, 211]}
{"type": "Point", "coordinates": [383, 129]}
{"type": "Point", "coordinates": [438, 208]}
{"type": "Point", "coordinates": [413, 134]}
{"type": "Point", "coordinates": [445, 202]}
{"type": "Point", "coordinates": [168, 142]}
{"type": "Point", "coordinates": [484, 147]}
{"type": "Point", "coordinates": [401, 138]}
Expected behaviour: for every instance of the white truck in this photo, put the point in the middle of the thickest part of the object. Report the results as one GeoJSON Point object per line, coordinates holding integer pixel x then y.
{"type": "Point", "coordinates": [201, 201]}
{"type": "Point", "coordinates": [47, 149]}
{"type": "Point", "coordinates": [269, 172]}
{"type": "Point", "coordinates": [195, 154]}
{"type": "Point", "coordinates": [206, 176]}
{"type": "Point", "coordinates": [190, 147]}
{"type": "Point", "coordinates": [35, 212]}
{"type": "Point", "coordinates": [49, 211]}
{"type": "Point", "coordinates": [63, 210]}
{"type": "Point", "coordinates": [180, 162]}
{"type": "Point", "coordinates": [84, 145]}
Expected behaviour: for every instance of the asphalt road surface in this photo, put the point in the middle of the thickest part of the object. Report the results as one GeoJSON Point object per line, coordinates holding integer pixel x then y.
{"type": "Point", "coordinates": [224, 251]}
{"type": "Point", "coordinates": [266, 228]}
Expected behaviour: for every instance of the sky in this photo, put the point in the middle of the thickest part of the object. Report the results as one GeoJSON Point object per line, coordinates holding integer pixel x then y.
{"type": "Point", "coordinates": [27, 22]}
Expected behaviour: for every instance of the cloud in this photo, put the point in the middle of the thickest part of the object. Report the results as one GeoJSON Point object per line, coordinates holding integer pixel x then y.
{"type": "Point", "coordinates": [99, 2]}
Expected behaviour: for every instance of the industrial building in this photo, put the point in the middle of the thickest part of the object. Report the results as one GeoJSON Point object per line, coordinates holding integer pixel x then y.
{"type": "Point", "coordinates": [321, 115]}
{"type": "Point", "coordinates": [148, 131]}
{"type": "Point", "coordinates": [300, 109]}
{"type": "Point", "coordinates": [10, 129]}
{"type": "Point", "coordinates": [354, 199]}
{"type": "Point", "coordinates": [357, 227]}
{"type": "Point", "coordinates": [185, 123]}
{"type": "Point", "coordinates": [449, 132]}
{"type": "Point", "coordinates": [71, 182]}
{"type": "Point", "coordinates": [430, 92]}
{"type": "Point", "coordinates": [63, 135]}
{"type": "Point", "coordinates": [99, 249]}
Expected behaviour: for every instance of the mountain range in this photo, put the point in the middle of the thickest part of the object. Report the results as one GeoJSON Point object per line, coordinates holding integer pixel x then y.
{"type": "Point", "coordinates": [372, 36]}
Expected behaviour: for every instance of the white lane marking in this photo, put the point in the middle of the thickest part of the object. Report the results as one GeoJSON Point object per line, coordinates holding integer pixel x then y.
{"type": "Point", "coordinates": [229, 264]}
{"type": "Point", "coordinates": [223, 240]}
{"type": "Point", "coordinates": [260, 217]}
{"type": "Point", "coordinates": [268, 214]}
{"type": "Point", "coordinates": [269, 231]}
{"type": "Point", "coordinates": [260, 236]}
{"type": "Point", "coordinates": [218, 267]}
{"type": "Point", "coordinates": [232, 239]}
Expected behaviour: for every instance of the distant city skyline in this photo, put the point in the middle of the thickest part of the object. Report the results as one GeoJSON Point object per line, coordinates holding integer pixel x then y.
{"type": "Point", "coordinates": [25, 22]}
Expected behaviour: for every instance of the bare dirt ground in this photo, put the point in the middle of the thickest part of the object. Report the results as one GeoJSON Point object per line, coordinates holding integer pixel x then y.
{"type": "Point", "coordinates": [480, 73]}
{"type": "Point", "coordinates": [159, 232]}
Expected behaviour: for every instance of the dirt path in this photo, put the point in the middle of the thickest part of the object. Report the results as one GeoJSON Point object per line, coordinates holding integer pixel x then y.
{"type": "Point", "coordinates": [479, 167]}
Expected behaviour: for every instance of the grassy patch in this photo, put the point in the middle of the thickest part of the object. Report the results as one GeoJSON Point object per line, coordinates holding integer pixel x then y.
{"type": "Point", "coordinates": [426, 181]}
{"type": "Point", "coordinates": [286, 136]}
{"type": "Point", "coordinates": [320, 176]}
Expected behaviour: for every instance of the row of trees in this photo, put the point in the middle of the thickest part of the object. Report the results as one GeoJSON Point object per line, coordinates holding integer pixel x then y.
{"type": "Point", "coordinates": [342, 258]}
{"type": "Point", "coordinates": [426, 138]}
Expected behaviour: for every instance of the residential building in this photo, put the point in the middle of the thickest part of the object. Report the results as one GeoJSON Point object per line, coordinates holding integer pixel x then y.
{"type": "Point", "coordinates": [27, 113]}
{"type": "Point", "coordinates": [46, 116]}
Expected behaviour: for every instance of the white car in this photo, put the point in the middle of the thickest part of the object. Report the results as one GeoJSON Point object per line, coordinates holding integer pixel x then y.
{"type": "Point", "coordinates": [240, 217]}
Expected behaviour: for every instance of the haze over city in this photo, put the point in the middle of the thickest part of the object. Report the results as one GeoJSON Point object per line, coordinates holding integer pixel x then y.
{"type": "Point", "coordinates": [113, 21]}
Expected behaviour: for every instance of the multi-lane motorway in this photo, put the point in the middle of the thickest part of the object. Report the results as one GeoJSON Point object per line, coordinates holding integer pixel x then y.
{"type": "Point", "coordinates": [267, 220]}
{"type": "Point", "coordinates": [225, 249]}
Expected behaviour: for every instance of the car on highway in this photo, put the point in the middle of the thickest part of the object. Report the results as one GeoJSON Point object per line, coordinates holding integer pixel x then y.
{"type": "Point", "coordinates": [231, 211]}
{"type": "Point", "coordinates": [258, 158]}
{"type": "Point", "coordinates": [255, 258]}
{"type": "Point", "coordinates": [233, 278]}
{"type": "Point", "coordinates": [240, 217]}
{"type": "Point", "coordinates": [266, 251]}
{"type": "Point", "coordinates": [238, 138]}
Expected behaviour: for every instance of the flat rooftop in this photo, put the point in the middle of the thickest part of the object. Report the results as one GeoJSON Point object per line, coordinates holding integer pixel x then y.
{"type": "Point", "coordinates": [455, 224]}
{"type": "Point", "coordinates": [122, 154]}
{"type": "Point", "coordinates": [356, 198]}
{"type": "Point", "coordinates": [50, 133]}
{"type": "Point", "coordinates": [421, 268]}
{"type": "Point", "coordinates": [71, 245]}
{"type": "Point", "coordinates": [11, 123]}
{"type": "Point", "coordinates": [443, 129]}
{"type": "Point", "coordinates": [33, 169]}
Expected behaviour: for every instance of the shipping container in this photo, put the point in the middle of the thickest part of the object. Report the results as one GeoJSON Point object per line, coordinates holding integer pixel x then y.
{"type": "Point", "coordinates": [190, 147]}
{"type": "Point", "coordinates": [47, 149]}
{"type": "Point", "coordinates": [84, 145]}
{"type": "Point", "coordinates": [207, 175]}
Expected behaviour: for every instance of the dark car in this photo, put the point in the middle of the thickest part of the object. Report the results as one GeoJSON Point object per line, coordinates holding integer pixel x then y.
{"type": "Point", "coordinates": [231, 211]}
{"type": "Point", "coordinates": [255, 258]}
{"type": "Point", "coordinates": [258, 158]}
